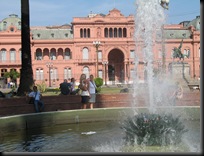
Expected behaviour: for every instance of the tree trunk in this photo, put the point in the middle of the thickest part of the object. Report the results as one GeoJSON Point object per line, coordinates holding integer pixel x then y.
{"type": "Point", "coordinates": [26, 72]}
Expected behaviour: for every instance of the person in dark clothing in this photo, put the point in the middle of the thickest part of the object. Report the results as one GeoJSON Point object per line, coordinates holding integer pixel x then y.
{"type": "Point", "coordinates": [2, 95]}
{"type": "Point", "coordinates": [65, 87]}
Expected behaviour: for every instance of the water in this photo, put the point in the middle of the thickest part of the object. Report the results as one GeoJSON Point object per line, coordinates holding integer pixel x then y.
{"type": "Point", "coordinates": [158, 88]}
{"type": "Point", "coordinates": [105, 136]}
{"type": "Point", "coordinates": [149, 18]}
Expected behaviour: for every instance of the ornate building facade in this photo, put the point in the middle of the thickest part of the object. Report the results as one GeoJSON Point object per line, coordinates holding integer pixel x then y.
{"type": "Point", "coordinates": [102, 45]}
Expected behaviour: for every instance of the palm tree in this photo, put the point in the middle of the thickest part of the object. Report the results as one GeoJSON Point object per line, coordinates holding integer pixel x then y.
{"type": "Point", "coordinates": [26, 72]}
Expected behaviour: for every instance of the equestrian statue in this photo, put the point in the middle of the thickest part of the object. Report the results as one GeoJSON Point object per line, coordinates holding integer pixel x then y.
{"type": "Point", "coordinates": [178, 54]}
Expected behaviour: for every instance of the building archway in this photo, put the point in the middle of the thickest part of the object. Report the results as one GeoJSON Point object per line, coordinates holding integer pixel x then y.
{"type": "Point", "coordinates": [116, 66]}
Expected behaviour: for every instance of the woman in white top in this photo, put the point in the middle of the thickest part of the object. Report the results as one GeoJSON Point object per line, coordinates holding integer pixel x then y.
{"type": "Point", "coordinates": [92, 91]}
{"type": "Point", "coordinates": [84, 85]}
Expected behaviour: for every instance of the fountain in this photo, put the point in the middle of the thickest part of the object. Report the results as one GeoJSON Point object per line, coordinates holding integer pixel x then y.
{"type": "Point", "coordinates": [159, 125]}
{"type": "Point", "coordinates": [98, 130]}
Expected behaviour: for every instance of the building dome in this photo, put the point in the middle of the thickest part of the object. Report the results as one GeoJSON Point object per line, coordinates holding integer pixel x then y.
{"type": "Point", "coordinates": [12, 20]}
{"type": "Point", "coordinates": [195, 23]}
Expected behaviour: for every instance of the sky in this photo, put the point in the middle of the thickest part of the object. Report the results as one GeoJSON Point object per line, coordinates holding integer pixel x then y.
{"type": "Point", "coordinates": [59, 12]}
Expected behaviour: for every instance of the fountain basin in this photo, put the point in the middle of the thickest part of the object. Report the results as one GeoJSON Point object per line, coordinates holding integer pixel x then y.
{"type": "Point", "coordinates": [39, 120]}
{"type": "Point", "coordinates": [84, 121]}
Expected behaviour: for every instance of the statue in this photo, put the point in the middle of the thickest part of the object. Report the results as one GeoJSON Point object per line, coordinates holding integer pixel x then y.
{"type": "Point", "coordinates": [178, 54]}
{"type": "Point", "coordinates": [164, 4]}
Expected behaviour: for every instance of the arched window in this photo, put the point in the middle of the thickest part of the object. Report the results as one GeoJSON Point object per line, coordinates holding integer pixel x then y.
{"type": "Point", "coordinates": [3, 55]}
{"type": "Point", "coordinates": [81, 33]}
{"type": "Point", "coordinates": [88, 33]}
{"type": "Point", "coordinates": [106, 32]}
{"type": "Point", "coordinates": [120, 32]}
{"type": "Point", "coordinates": [85, 54]}
{"type": "Point", "coordinates": [12, 55]}
{"type": "Point", "coordinates": [38, 54]}
{"type": "Point", "coordinates": [39, 74]}
{"type": "Point", "coordinates": [84, 33]}
{"type": "Point", "coordinates": [124, 32]}
{"type": "Point", "coordinates": [53, 55]}
{"type": "Point", "coordinates": [110, 32]}
{"type": "Point", "coordinates": [67, 55]}
{"type": "Point", "coordinates": [115, 32]}
{"type": "Point", "coordinates": [67, 73]}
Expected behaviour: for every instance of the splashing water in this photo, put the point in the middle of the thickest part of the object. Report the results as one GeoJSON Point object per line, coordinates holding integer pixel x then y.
{"type": "Point", "coordinates": [149, 21]}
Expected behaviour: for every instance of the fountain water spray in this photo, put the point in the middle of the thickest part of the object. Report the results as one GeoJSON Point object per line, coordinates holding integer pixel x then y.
{"type": "Point", "coordinates": [149, 21]}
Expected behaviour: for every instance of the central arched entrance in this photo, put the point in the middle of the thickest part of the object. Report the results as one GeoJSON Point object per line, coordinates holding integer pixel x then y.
{"type": "Point", "coordinates": [116, 66]}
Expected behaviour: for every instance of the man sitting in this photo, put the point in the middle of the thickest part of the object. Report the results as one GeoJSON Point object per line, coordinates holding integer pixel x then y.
{"type": "Point", "coordinates": [65, 87]}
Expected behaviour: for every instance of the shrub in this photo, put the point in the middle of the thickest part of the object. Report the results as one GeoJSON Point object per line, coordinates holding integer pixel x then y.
{"type": "Point", "coordinates": [42, 87]}
{"type": "Point", "coordinates": [99, 82]}
{"type": "Point", "coordinates": [153, 129]}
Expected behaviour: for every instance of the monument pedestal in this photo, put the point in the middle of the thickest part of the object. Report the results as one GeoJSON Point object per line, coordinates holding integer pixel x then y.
{"type": "Point", "coordinates": [180, 71]}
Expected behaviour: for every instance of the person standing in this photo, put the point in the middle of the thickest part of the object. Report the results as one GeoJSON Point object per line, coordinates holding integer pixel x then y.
{"type": "Point", "coordinates": [73, 90]}
{"type": "Point", "coordinates": [39, 105]}
{"type": "Point", "coordinates": [92, 91]}
{"type": "Point", "coordinates": [85, 95]}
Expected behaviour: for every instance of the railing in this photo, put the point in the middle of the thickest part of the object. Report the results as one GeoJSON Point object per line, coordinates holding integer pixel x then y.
{"type": "Point", "coordinates": [9, 62]}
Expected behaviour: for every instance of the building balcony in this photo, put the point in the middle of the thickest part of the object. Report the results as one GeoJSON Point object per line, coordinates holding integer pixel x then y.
{"type": "Point", "coordinates": [10, 62]}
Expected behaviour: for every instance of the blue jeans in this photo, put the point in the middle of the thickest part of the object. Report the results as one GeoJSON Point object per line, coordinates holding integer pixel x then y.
{"type": "Point", "coordinates": [38, 103]}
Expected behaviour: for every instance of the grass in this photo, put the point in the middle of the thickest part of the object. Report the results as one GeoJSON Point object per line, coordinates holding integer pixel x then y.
{"type": "Point", "coordinates": [104, 90]}
{"type": "Point", "coordinates": [56, 91]}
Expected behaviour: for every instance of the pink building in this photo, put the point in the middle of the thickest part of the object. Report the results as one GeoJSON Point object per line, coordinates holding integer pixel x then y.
{"type": "Point", "coordinates": [62, 52]}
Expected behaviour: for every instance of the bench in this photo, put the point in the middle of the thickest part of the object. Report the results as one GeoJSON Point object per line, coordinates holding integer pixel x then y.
{"type": "Point", "coordinates": [194, 87]}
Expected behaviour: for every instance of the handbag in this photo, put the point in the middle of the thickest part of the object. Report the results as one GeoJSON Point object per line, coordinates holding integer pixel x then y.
{"type": "Point", "coordinates": [32, 99]}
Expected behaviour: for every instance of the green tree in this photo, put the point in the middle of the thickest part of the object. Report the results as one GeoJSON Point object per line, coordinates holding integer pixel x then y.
{"type": "Point", "coordinates": [13, 75]}
{"type": "Point", "coordinates": [26, 72]}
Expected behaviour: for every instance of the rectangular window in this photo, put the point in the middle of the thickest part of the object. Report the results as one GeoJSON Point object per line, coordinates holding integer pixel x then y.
{"type": "Point", "coordinates": [12, 56]}
{"type": "Point", "coordinates": [67, 73]}
{"type": "Point", "coordinates": [53, 73]}
{"type": "Point", "coordinates": [39, 74]}
{"type": "Point", "coordinates": [99, 55]}
{"type": "Point", "coordinates": [100, 73]}
{"type": "Point", "coordinates": [132, 74]}
{"type": "Point", "coordinates": [132, 54]}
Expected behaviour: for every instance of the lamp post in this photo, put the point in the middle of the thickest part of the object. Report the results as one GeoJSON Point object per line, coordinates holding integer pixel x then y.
{"type": "Point", "coordinates": [49, 65]}
{"type": "Point", "coordinates": [105, 63]}
{"type": "Point", "coordinates": [96, 44]}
